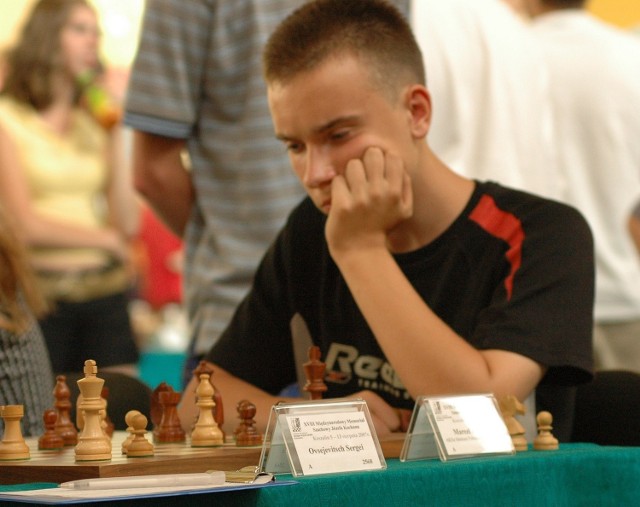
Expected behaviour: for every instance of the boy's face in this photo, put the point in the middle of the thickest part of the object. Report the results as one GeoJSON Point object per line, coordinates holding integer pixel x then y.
{"type": "Point", "coordinates": [332, 114]}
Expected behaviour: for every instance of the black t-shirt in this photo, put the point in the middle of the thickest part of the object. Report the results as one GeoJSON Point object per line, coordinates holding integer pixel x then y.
{"type": "Point", "coordinates": [513, 272]}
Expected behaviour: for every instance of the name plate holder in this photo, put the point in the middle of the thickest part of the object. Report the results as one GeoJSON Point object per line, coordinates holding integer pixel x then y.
{"type": "Point", "coordinates": [456, 427]}
{"type": "Point", "coordinates": [321, 437]}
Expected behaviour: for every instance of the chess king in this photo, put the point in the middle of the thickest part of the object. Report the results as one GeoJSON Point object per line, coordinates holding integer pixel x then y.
{"type": "Point", "coordinates": [411, 279]}
{"type": "Point", "coordinates": [93, 443]}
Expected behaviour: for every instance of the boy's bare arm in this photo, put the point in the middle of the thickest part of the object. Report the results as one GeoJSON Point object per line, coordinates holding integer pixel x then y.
{"type": "Point", "coordinates": [427, 354]}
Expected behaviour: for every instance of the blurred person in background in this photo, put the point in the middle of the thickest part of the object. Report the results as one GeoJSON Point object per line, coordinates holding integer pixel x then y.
{"type": "Point", "coordinates": [595, 95]}
{"type": "Point", "coordinates": [25, 371]}
{"type": "Point", "coordinates": [196, 85]}
{"type": "Point", "coordinates": [486, 74]}
{"type": "Point", "coordinates": [63, 179]}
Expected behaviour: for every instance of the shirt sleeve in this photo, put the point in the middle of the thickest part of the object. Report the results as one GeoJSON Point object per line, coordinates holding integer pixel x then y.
{"type": "Point", "coordinates": [167, 74]}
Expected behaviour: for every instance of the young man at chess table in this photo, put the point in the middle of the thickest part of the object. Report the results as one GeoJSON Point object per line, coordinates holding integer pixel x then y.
{"type": "Point", "coordinates": [412, 279]}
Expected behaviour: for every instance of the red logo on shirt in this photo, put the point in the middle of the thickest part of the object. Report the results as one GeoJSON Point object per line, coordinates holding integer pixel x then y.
{"type": "Point", "coordinates": [505, 226]}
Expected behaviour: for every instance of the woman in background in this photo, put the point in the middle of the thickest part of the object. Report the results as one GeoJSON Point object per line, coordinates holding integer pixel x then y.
{"type": "Point", "coordinates": [25, 372]}
{"type": "Point", "coordinates": [62, 179]}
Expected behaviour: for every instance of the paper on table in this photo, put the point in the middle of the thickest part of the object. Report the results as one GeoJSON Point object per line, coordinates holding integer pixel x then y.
{"type": "Point", "coordinates": [88, 494]}
{"type": "Point", "coordinates": [208, 478]}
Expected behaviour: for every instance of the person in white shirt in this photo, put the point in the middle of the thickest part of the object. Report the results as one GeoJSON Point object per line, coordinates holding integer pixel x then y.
{"type": "Point", "coordinates": [492, 118]}
{"type": "Point", "coordinates": [595, 83]}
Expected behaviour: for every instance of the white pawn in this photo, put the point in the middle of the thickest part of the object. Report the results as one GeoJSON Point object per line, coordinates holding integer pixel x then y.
{"type": "Point", "coordinates": [128, 418]}
{"type": "Point", "coordinates": [545, 441]}
{"type": "Point", "coordinates": [139, 447]}
{"type": "Point", "coordinates": [206, 432]}
{"type": "Point", "coordinates": [13, 445]}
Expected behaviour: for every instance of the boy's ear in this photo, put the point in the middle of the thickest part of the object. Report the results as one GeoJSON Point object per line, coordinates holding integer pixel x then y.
{"type": "Point", "coordinates": [418, 103]}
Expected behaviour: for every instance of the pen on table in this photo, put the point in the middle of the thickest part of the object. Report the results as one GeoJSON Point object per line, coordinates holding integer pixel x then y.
{"type": "Point", "coordinates": [209, 478]}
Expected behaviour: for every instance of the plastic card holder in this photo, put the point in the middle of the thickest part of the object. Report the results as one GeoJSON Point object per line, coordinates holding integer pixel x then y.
{"type": "Point", "coordinates": [321, 437]}
{"type": "Point", "coordinates": [455, 427]}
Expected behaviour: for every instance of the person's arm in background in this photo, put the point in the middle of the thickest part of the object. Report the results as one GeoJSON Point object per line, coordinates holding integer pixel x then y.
{"type": "Point", "coordinates": [161, 178]}
{"type": "Point", "coordinates": [634, 227]}
{"type": "Point", "coordinates": [164, 119]}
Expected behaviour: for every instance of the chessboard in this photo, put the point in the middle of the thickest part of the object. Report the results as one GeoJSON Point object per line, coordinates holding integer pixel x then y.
{"type": "Point", "coordinates": [169, 457]}
{"type": "Point", "coordinates": [60, 466]}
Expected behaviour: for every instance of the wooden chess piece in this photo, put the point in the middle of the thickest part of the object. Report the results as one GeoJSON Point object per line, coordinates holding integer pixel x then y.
{"type": "Point", "coordinates": [139, 447]}
{"type": "Point", "coordinates": [64, 426]}
{"type": "Point", "coordinates": [246, 433]}
{"type": "Point", "coordinates": [240, 427]}
{"type": "Point", "coordinates": [93, 444]}
{"type": "Point", "coordinates": [545, 441]}
{"type": "Point", "coordinates": [509, 407]}
{"type": "Point", "coordinates": [156, 406]}
{"type": "Point", "coordinates": [169, 430]}
{"type": "Point", "coordinates": [314, 371]}
{"type": "Point", "coordinates": [218, 409]}
{"type": "Point", "coordinates": [50, 440]}
{"type": "Point", "coordinates": [128, 419]}
{"type": "Point", "coordinates": [13, 445]}
{"type": "Point", "coordinates": [206, 432]}
{"type": "Point", "coordinates": [105, 421]}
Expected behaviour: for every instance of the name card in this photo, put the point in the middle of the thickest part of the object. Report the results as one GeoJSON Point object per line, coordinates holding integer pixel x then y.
{"type": "Point", "coordinates": [451, 427]}
{"type": "Point", "coordinates": [321, 437]}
